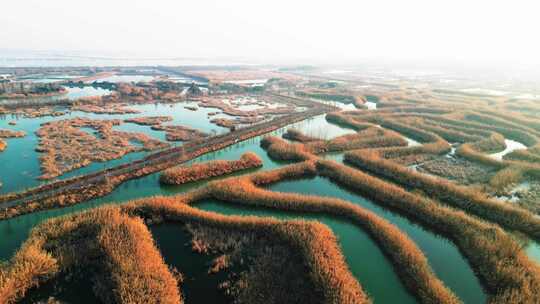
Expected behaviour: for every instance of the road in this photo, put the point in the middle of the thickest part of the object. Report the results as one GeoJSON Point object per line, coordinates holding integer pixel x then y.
{"type": "Point", "coordinates": [159, 160]}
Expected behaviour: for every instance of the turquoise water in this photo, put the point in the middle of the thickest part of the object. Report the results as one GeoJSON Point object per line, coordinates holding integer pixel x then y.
{"type": "Point", "coordinates": [365, 260]}
{"type": "Point", "coordinates": [533, 251]}
{"type": "Point", "coordinates": [14, 231]}
{"type": "Point", "coordinates": [20, 162]}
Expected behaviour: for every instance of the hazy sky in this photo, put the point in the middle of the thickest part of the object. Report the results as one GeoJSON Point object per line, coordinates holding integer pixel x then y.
{"type": "Point", "coordinates": [279, 30]}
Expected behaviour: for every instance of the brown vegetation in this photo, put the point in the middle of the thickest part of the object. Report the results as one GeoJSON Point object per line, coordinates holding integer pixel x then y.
{"type": "Point", "coordinates": [34, 112]}
{"type": "Point", "coordinates": [9, 134]}
{"type": "Point", "coordinates": [455, 212]}
{"type": "Point", "coordinates": [180, 133]}
{"type": "Point", "coordinates": [457, 169]}
{"type": "Point", "coordinates": [473, 237]}
{"type": "Point", "coordinates": [185, 174]}
{"type": "Point", "coordinates": [103, 182]}
{"type": "Point", "coordinates": [224, 122]}
{"type": "Point", "coordinates": [149, 120]}
{"type": "Point", "coordinates": [103, 108]}
{"type": "Point", "coordinates": [66, 147]}
{"type": "Point", "coordinates": [484, 245]}
{"type": "Point", "coordinates": [325, 278]}
{"type": "Point", "coordinates": [406, 257]}
{"type": "Point", "coordinates": [173, 133]}
{"type": "Point", "coordinates": [298, 136]}
{"type": "Point", "coordinates": [460, 197]}
{"type": "Point", "coordinates": [131, 269]}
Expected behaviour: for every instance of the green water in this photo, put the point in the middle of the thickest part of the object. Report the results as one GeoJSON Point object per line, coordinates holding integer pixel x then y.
{"type": "Point", "coordinates": [366, 261]}
{"type": "Point", "coordinates": [198, 286]}
{"type": "Point", "coordinates": [445, 259]}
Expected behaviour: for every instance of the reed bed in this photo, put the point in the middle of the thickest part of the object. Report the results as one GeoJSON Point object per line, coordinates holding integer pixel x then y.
{"type": "Point", "coordinates": [296, 135]}
{"type": "Point", "coordinates": [518, 134]}
{"type": "Point", "coordinates": [90, 190]}
{"type": "Point", "coordinates": [524, 155]}
{"type": "Point", "coordinates": [458, 121]}
{"type": "Point", "coordinates": [494, 143]}
{"type": "Point", "coordinates": [325, 266]}
{"type": "Point", "coordinates": [9, 134]}
{"type": "Point", "coordinates": [467, 199]}
{"type": "Point", "coordinates": [469, 152]}
{"type": "Point", "coordinates": [367, 138]}
{"type": "Point", "coordinates": [515, 118]}
{"type": "Point", "coordinates": [508, 176]}
{"type": "Point", "coordinates": [527, 134]}
{"type": "Point", "coordinates": [407, 258]}
{"type": "Point", "coordinates": [340, 118]}
{"type": "Point", "coordinates": [412, 132]}
{"type": "Point", "coordinates": [433, 143]}
{"type": "Point", "coordinates": [186, 174]}
{"type": "Point", "coordinates": [517, 280]}
{"type": "Point", "coordinates": [448, 134]}
{"type": "Point", "coordinates": [66, 147]}
{"type": "Point", "coordinates": [279, 149]}
{"type": "Point", "coordinates": [103, 237]}
{"type": "Point", "coordinates": [134, 266]}
{"type": "Point", "coordinates": [475, 133]}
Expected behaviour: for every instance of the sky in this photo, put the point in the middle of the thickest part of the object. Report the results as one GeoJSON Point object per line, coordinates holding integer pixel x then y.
{"type": "Point", "coordinates": [276, 31]}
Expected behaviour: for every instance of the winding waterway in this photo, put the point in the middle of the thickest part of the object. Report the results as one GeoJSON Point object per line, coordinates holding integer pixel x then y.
{"type": "Point", "coordinates": [366, 261]}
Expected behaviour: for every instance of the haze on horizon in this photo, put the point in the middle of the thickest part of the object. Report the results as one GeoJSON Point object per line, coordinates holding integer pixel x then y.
{"type": "Point", "coordinates": [279, 31]}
